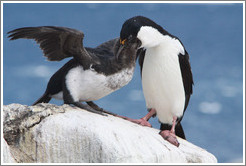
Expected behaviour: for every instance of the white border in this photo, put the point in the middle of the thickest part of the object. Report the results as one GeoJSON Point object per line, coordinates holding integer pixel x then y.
{"type": "Point", "coordinates": [194, 2]}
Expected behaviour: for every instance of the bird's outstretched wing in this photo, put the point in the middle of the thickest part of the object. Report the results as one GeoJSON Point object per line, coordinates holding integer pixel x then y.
{"type": "Point", "coordinates": [57, 43]}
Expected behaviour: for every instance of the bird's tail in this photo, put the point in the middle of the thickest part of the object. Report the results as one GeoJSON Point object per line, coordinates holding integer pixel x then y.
{"type": "Point", "coordinates": [45, 98]}
{"type": "Point", "coordinates": [178, 129]}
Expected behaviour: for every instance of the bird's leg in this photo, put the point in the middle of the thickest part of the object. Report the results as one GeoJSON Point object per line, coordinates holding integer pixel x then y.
{"type": "Point", "coordinates": [143, 121]}
{"type": "Point", "coordinates": [169, 135]}
{"type": "Point", "coordinates": [174, 124]}
{"type": "Point", "coordinates": [87, 108]}
{"type": "Point", "coordinates": [96, 107]}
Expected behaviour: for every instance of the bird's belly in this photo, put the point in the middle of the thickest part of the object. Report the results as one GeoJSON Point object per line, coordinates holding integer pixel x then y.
{"type": "Point", "coordinates": [163, 86]}
{"type": "Point", "coordinates": [88, 85]}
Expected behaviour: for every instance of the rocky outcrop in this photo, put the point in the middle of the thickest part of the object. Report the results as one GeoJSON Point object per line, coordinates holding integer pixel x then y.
{"type": "Point", "coordinates": [63, 134]}
{"type": "Point", "coordinates": [8, 158]}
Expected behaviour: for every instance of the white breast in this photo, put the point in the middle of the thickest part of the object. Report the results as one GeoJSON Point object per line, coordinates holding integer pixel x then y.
{"type": "Point", "coordinates": [88, 85]}
{"type": "Point", "coordinates": [162, 80]}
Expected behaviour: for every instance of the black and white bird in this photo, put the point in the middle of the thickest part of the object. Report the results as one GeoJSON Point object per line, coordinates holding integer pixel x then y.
{"type": "Point", "coordinates": [166, 75]}
{"type": "Point", "coordinates": [91, 74]}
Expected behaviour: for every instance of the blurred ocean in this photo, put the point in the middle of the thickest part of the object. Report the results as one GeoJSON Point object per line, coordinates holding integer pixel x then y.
{"type": "Point", "coordinates": [211, 33]}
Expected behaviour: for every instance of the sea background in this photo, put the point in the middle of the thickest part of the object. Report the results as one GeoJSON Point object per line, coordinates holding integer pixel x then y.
{"type": "Point", "coordinates": [211, 33]}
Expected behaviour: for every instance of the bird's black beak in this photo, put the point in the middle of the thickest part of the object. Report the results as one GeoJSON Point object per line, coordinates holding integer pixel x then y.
{"type": "Point", "coordinates": [119, 51]}
{"type": "Point", "coordinates": [132, 43]}
{"type": "Point", "coordinates": [121, 46]}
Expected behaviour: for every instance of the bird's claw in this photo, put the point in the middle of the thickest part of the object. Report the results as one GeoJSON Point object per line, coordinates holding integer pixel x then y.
{"type": "Point", "coordinates": [170, 137]}
{"type": "Point", "coordinates": [141, 122]}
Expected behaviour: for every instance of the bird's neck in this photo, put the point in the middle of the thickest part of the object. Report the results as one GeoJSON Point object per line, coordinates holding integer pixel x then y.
{"type": "Point", "coordinates": [149, 37]}
{"type": "Point", "coordinates": [126, 60]}
{"type": "Point", "coordinates": [164, 44]}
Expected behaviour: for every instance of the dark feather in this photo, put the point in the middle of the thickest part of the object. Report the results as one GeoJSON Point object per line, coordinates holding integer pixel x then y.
{"type": "Point", "coordinates": [57, 43]}
{"type": "Point", "coordinates": [105, 49]}
{"type": "Point", "coordinates": [141, 55]}
{"type": "Point", "coordinates": [186, 76]}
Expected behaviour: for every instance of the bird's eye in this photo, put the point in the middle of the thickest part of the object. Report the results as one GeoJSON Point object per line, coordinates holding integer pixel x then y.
{"type": "Point", "coordinates": [130, 37]}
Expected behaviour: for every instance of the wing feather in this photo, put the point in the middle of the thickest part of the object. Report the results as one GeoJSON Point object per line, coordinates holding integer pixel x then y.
{"type": "Point", "coordinates": [186, 76]}
{"type": "Point", "coordinates": [141, 55]}
{"type": "Point", "coordinates": [57, 43]}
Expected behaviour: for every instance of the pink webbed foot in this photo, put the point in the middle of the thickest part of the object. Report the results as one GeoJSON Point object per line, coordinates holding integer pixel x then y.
{"type": "Point", "coordinates": [170, 137]}
{"type": "Point", "coordinates": [141, 122]}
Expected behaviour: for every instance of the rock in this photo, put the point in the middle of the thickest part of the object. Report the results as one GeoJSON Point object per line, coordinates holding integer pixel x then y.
{"type": "Point", "coordinates": [63, 134]}
{"type": "Point", "coordinates": [8, 158]}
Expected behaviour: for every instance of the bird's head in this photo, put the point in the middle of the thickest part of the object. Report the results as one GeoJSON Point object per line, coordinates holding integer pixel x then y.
{"type": "Point", "coordinates": [147, 31]}
{"type": "Point", "coordinates": [128, 49]}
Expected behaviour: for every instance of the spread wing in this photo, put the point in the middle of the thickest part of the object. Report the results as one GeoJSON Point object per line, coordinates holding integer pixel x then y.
{"type": "Point", "coordinates": [187, 76]}
{"type": "Point", "coordinates": [57, 43]}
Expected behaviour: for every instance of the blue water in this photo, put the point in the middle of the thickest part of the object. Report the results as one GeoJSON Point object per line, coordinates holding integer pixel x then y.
{"type": "Point", "coordinates": [211, 33]}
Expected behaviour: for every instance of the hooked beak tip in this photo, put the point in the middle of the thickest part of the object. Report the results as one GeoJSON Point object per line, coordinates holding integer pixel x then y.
{"type": "Point", "coordinates": [122, 42]}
